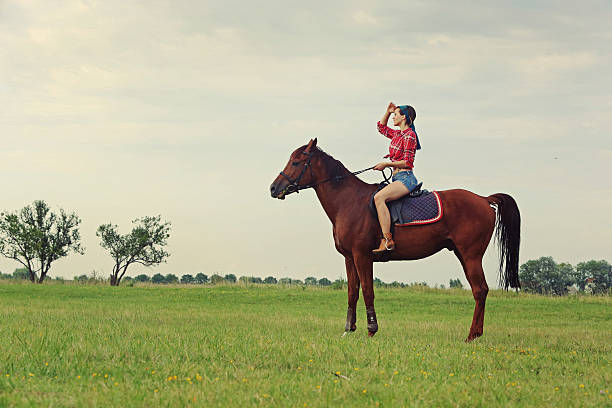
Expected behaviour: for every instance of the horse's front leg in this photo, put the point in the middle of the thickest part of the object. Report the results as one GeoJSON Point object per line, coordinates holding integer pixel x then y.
{"type": "Point", "coordinates": [365, 270]}
{"type": "Point", "coordinates": [353, 295]}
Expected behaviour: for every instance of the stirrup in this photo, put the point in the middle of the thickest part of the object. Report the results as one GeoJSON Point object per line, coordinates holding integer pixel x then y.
{"type": "Point", "coordinates": [387, 244]}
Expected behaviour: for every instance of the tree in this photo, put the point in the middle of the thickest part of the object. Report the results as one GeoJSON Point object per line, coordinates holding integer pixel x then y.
{"type": "Point", "coordinates": [455, 283]}
{"type": "Point", "coordinates": [187, 279]}
{"type": "Point", "coordinates": [324, 282]}
{"type": "Point", "coordinates": [310, 280]}
{"type": "Point", "coordinates": [250, 279]}
{"type": "Point", "coordinates": [231, 278]}
{"type": "Point", "coordinates": [545, 276]}
{"type": "Point", "coordinates": [21, 273]}
{"type": "Point", "coordinates": [339, 284]}
{"type": "Point", "coordinates": [599, 271]}
{"type": "Point", "coordinates": [270, 280]}
{"type": "Point", "coordinates": [142, 278]}
{"type": "Point", "coordinates": [158, 278]}
{"type": "Point", "coordinates": [215, 279]}
{"type": "Point", "coordinates": [201, 278]}
{"type": "Point", "coordinates": [285, 281]}
{"type": "Point", "coordinates": [143, 245]}
{"type": "Point", "coordinates": [171, 278]}
{"type": "Point", "coordinates": [35, 237]}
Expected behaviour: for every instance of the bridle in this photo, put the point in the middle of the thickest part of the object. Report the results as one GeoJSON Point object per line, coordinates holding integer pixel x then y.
{"type": "Point", "coordinates": [294, 184]}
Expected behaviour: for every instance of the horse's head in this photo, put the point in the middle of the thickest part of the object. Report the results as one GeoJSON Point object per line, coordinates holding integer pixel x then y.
{"type": "Point", "coordinates": [297, 174]}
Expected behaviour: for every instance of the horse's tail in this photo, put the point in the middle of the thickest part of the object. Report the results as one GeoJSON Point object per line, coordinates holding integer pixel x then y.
{"type": "Point", "coordinates": [508, 236]}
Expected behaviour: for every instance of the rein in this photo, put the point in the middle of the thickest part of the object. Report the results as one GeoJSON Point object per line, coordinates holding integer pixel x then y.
{"type": "Point", "coordinates": [294, 186]}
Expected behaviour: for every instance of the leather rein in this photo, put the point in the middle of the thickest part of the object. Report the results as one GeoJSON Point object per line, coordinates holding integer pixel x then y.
{"type": "Point", "coordinates": [294, 184]}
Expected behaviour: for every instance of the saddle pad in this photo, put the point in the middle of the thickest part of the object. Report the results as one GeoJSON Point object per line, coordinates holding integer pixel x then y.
{"type": "Point", "coordinates": [424, 209]}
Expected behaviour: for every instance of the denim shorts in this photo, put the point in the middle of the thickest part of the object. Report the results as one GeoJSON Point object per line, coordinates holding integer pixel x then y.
{"type": "Point", "coordinates": [407, 179]}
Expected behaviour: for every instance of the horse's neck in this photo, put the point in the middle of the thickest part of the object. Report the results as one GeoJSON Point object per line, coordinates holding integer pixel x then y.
{"type": "Point", "coordinates": [333, 195]}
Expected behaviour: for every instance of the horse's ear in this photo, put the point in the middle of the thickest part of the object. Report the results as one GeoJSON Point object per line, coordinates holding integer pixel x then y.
{"type": "Point", "coordinates": [311, 145]}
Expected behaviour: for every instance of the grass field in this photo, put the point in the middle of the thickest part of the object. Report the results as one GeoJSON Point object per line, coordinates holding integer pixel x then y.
{"type": "Point", "coordinates": [71, 345]}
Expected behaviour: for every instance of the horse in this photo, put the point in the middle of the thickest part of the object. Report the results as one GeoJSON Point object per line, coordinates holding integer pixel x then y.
{"type": "Point", "coordinates": [466, 228]}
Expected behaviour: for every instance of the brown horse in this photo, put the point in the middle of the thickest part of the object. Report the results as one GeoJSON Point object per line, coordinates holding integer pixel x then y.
{"type": "Point", "coordinates": [466, 229]}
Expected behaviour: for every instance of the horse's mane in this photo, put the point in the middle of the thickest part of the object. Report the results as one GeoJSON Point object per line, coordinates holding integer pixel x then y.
{"type": "Point", "coordinates": [333, 166]}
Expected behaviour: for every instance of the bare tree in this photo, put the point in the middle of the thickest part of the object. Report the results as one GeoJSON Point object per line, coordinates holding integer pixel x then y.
{"type": "Point", "coordinates": [143, 245]}
{"type": "Point", "coordinates": [35, 236]}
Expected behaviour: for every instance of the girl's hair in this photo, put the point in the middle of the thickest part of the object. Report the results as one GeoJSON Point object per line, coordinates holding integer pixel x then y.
{"type": "Point", "coordinates": [409, 112]}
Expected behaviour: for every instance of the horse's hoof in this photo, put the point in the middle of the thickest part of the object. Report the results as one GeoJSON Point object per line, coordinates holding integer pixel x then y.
{"type": "Point", "coordinates": [472, 337]}
{"type": "Point", "coordinates": [371, 334]}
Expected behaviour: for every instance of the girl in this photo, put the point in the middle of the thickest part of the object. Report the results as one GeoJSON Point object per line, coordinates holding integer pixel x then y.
{"type": "Point", "coordinates": [404, 144]}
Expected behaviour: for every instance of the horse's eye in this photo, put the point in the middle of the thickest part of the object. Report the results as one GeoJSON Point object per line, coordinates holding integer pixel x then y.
{"type": "Point", "coordinates": [295, 164]}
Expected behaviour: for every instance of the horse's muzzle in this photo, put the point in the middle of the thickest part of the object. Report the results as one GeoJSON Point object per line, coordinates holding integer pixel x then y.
{"type": "Point", "coordinates": [276, 192]}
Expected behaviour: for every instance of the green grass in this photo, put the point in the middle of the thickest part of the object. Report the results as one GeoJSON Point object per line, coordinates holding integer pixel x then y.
{"type": "Point", "coordinates": [71, 345]}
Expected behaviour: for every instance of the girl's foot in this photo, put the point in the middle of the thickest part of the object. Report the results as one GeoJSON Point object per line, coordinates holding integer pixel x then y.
{"type": "Point", "coordinates": [386, 244]}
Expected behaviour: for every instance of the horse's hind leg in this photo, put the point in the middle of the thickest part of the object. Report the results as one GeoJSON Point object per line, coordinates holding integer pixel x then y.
{"type": "Point", "coordinates": [472, 266]}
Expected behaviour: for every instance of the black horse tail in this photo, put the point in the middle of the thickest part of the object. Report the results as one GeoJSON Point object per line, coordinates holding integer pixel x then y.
{"type": "Point", "coordinates": [508, 236]}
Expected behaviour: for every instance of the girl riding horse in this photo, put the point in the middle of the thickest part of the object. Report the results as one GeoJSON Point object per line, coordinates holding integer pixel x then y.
{"type": "Point", "coordinates": [404, 144]}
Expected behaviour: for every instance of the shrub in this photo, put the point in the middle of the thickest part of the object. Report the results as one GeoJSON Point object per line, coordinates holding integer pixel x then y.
{"type": "Point", "coordinates": [201, 278]}
{"type": "Point", "coordinates": [158, 278]}
{"type": "Point", "coordinates": [142, 278]}
{"type": "Point", "coordinates": [187, 279]}
{"type": "Point", "coordinates": [171, 278]}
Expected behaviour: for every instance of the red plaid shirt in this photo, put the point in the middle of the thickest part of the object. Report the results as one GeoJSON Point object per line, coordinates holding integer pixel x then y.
{"type": "Point", "coordinates": [403, 144]}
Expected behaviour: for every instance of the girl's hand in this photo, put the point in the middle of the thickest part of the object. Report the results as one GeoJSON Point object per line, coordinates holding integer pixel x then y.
{"type": "Point", "coordinates": [391, 108]}
{"type": "Point", "coordinates": [381, 166]}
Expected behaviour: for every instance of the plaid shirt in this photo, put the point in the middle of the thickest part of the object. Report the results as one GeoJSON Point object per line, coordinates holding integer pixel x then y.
{"type": "Point", "coordinates": [403, 144]}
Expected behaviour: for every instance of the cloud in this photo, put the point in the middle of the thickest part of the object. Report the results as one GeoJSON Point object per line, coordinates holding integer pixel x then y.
{"type": "Point", "coordinates": [550, 66]}
{"type": "Point", "coordinates": [362, 17]}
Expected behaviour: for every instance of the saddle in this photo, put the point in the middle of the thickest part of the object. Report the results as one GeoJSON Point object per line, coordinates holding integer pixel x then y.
{"type": "Point", "coordinates": [415, 208]}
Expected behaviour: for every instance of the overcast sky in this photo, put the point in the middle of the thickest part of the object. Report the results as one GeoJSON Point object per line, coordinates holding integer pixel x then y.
{"type": "Point", "coordinates": [189, 109]}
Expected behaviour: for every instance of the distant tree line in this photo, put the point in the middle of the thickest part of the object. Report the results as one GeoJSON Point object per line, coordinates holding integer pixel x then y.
{"type": "Point", "coordinates": [542, 276]}
{"type": "Point", "coordinates": [545, 276]}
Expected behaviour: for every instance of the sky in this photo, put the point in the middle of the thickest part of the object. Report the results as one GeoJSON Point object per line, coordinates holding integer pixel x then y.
{"type": "Point", "coordinates": [189, 109]}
